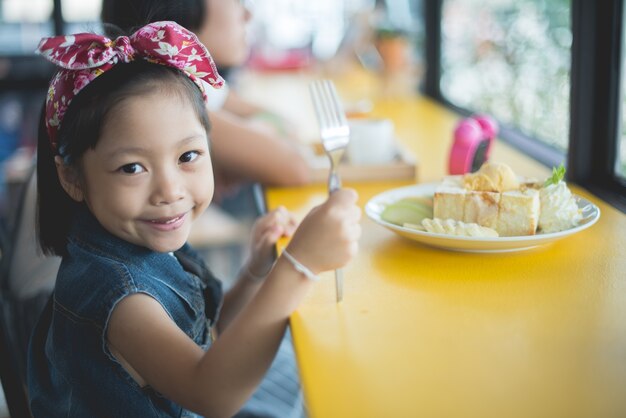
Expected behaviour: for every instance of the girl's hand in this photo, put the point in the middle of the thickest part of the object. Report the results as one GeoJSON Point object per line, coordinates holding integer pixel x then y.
{"type": "Point", "coordinates": [267, 230]}
{"type": "Point", "coordinates": [328, 236]}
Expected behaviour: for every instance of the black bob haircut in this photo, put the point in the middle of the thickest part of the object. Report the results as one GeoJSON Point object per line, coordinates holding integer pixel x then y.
{"type": "Point", "coordinates": [81, 129]}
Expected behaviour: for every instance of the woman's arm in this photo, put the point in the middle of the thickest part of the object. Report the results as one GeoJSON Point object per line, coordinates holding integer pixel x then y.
{"type": "Point", "coordinates": [234, 103]}
{"type": "Point", "coordinates": [245, 152]}
{"type": "Point", "coordinates": [263, 117]}
{"type": "Point", "coordinates": [218, 382]}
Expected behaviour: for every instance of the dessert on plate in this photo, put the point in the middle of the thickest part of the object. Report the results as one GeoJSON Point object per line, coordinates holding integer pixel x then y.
{"type": "Point", "coordinates": [494, 197]}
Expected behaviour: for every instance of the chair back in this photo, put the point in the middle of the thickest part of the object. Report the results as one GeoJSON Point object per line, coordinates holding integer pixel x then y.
{"type": "Point", "coordinates": [13, 383]}
{"type": "Point", "coordinates": [11, 373]}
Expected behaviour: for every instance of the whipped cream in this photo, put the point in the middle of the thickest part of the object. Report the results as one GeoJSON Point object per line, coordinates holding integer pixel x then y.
{"type": "Point", "coordinates": [559, 210]}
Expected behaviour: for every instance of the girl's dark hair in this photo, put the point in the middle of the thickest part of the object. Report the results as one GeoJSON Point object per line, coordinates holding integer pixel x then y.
{"type": "Point", "coordinates": [130, 15]}
{"type": "Point", "coordinates": [81, 128]}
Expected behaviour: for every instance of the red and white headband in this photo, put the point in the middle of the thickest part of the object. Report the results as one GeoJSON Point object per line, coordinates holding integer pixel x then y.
{"type": "Point", "coordinates": [85, 56]}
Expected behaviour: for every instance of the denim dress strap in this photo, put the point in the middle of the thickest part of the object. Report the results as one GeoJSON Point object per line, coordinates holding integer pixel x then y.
{"type": "Point", "coordinates": [191, 261]}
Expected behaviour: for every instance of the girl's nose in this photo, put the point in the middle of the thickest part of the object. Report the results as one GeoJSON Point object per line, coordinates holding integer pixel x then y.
{"type": "Point", "coordinates": [167, 189]}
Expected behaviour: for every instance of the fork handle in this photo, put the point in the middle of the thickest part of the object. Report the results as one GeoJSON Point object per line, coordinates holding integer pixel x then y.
{"type": "Point", "coordinates": [339, 284]}
{"type": "Point", "coordinates": [334, 182]}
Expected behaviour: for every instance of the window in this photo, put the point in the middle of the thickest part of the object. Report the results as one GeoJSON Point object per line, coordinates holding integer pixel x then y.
{"type": "Point", "coordinates": [23, 24]}
{"type": "Point", "coordinates": [292, 24]}
{"type": "Point", "coordinates": [511, 59]}
{"type": "Point", "coordinates": [81, 15]}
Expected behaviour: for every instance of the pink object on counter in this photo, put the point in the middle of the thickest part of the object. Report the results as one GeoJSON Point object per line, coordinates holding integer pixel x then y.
{"type": "Point", "coordinates": [473, 138]}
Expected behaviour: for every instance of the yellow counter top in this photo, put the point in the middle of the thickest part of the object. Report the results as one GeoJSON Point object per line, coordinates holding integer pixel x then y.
{"type": "Point", "coordinates": [424, 332]}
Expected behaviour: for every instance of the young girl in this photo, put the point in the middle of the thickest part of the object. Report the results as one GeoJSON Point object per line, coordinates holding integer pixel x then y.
{"type": "Point", "coordinates": [138, 327]}
{"type": "Point", "coordinates": [249, 142]}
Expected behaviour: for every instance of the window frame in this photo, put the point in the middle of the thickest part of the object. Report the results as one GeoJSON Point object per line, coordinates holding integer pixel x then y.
{"type": "Point", "coordinates": [57, 18]}
{"type": "Point", "coordinates": [595, 106]}
{"type": "Point", "coordinates": [595, 97]}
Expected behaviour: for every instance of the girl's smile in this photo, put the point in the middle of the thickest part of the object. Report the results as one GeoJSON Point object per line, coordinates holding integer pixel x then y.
{"type": "Point", "coordinates": [168, 223]}
{"type": "Point", "coordinates": [150, 174]}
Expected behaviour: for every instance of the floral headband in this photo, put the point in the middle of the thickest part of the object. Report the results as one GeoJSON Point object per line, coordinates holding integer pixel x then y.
{"type": "Point", "coordinates": [83, 57]}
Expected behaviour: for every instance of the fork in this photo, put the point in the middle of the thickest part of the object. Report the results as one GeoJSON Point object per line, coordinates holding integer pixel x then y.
{"type": "Point", "coordinates": [335, 134]}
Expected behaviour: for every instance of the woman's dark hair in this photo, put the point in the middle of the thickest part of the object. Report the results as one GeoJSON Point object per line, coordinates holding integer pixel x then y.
{"type": "Point", "coordinates": [81, 128]}
{"type": "Point", "coordinates": [130, 15]}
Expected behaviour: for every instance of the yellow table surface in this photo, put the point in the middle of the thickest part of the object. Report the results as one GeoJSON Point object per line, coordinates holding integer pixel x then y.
{"type": "Point", "coordinates": [424, 332]}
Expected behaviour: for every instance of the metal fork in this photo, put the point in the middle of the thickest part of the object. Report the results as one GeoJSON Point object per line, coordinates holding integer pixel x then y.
{"type": "Point", "coordinates": [335, 134]}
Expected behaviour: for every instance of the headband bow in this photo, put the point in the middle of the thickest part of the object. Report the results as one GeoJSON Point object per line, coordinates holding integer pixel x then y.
{"type": "Point", "coordinates": [84, 57]}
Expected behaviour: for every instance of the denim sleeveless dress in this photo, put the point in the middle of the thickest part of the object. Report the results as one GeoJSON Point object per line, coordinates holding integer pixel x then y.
{"type": "Point", "coordinates": [71, 372]}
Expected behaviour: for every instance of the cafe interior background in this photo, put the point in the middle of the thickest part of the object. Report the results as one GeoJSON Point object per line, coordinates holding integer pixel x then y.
{"type": "Point", "coordinates": [512, 59]}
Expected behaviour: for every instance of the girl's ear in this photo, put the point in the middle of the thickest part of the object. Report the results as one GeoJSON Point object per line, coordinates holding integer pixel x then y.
{"type": "Point", "coordinates": [69, 180]}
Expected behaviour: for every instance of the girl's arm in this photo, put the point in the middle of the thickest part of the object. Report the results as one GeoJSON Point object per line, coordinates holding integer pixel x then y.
{"type": "Point", "coordinates": [217, 383]}
{"type": "Point", "coordinates": [247, 152]}
{"type": "Point", "coordinates": [266, 232]}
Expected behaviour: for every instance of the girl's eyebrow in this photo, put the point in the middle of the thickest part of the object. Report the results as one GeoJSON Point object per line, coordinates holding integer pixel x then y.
{"type": "Point", "coordinates": [141, 150]}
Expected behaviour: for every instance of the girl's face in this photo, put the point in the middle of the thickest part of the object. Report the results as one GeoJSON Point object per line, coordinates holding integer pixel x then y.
{"type": "Point", "coordinates": [224, 31]}
{"type": "Point", "coordinates": [150, 174]}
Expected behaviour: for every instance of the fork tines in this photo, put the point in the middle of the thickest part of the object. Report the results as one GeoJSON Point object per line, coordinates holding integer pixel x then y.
{"type": "Point", "coordinates": [329, 110]}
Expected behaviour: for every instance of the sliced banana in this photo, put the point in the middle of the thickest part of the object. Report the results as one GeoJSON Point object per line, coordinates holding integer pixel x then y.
{"type": "Point", "coordinates": [458, 228]}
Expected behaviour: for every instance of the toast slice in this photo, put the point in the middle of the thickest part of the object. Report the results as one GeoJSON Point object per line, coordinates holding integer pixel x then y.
{"type": "Point", "coordinates": [449, 199]}
{"type": "Point", "coordinates": [510, 213]}
{"type": "Point", "coordinates": [518, 213]}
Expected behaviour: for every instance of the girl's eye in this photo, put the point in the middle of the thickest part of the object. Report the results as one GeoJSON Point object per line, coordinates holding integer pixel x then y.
{"type": "Point", "coordinates": [189, 156]}
{"type": "Point", "coordinates": [133, 168]}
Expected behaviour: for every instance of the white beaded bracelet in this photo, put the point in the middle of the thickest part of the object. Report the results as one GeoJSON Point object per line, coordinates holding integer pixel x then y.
{"type": "Point", "coordinates": [301, 268]}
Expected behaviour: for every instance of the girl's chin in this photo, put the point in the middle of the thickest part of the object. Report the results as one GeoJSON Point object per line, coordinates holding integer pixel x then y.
{"type": "Point", "coordinates": [166, 248]}
{"type": "Point", "coordinates": [166, 245]}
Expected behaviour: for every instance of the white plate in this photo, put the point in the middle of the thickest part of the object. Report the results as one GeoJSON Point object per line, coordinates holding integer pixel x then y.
{"type": "Point", "coordinates": [375, 206]}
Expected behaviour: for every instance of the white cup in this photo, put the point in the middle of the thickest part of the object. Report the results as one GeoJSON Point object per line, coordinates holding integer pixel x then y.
{"type": "Point", "coordinates": [371, 141]}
